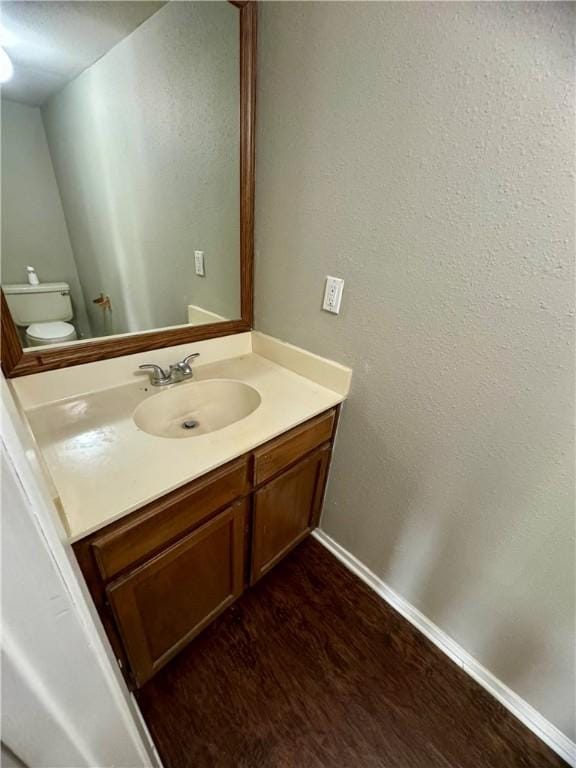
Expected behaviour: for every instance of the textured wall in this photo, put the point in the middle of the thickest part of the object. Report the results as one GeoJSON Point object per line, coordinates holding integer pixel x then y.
{"type": "Point", "coordinates": [424, 152]}
{"type": "Point", "coordinates": [33, 226]}
{"type": "Point", "coordinates": [145, 149]}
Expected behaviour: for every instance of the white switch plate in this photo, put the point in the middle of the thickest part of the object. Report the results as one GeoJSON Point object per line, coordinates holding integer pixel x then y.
{"type": "Point", "coordinates": [199, 263]}
{"type": "Point", "coordinates": [333, 294]}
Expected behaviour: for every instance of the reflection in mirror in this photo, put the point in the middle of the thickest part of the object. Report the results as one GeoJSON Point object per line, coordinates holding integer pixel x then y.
{"type": "Point", "coordinates": [120, 167]}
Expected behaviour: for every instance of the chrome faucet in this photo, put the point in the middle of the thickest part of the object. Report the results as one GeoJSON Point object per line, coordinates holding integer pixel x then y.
{"type": "Point", "coordinates": [181, 371]}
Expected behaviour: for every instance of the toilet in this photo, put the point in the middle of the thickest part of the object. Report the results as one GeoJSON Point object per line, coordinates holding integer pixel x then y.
{"type": "Point", "coordinates": [43, 310]}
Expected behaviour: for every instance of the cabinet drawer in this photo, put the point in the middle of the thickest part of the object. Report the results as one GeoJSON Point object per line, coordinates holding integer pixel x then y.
{"type": "Point", "coordinates": [161, 605]}
{"type": "Point", "coordinates": [161, 522]}
{"type": "Point", "coordinates": [280, 453]}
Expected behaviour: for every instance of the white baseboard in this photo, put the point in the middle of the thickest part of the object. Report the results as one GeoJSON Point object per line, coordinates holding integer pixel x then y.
{"type": "Point", "coordinates": [549, 734]}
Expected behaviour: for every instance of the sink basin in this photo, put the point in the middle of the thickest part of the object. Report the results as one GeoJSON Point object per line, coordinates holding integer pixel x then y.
{"type": "Point", "coordinates": [190, 410]}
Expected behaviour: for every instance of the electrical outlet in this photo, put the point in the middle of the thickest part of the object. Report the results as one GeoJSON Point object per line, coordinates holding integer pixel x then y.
{"type": "Point", "coordinates": [199, 263]}
{"type": "Point", "coordinates": [333, 294]}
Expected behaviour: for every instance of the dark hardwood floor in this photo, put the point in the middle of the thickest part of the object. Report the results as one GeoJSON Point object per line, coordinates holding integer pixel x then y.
{"type": "Point", "coordinates": [310, 669]}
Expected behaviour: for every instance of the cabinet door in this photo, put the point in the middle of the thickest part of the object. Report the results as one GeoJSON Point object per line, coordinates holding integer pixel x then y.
{"type": "Point", "coordinates": [163, 604]}
{"type": "Point", "coordinates": [286, 509]}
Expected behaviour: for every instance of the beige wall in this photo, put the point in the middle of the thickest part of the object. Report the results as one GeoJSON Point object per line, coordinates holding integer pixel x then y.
{"type": "Point", "coordinates": [145, 149]}
{"type": "Point", "coordinates": [424, 152]}
{"type": "Point", "coordinates": [33, 225]}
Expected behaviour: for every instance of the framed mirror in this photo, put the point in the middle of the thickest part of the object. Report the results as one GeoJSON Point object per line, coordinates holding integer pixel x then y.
{"type": "Point", "coordinates": [127, 177]}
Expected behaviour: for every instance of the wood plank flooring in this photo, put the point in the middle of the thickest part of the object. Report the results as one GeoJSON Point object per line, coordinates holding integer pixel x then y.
{"type": "Point", "coordinates": [310, 669]}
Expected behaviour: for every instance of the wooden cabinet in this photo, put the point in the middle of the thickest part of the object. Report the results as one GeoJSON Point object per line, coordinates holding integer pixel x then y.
{"type": "Point", "coordinates": [163, 573]}
{"type": "Point", "coordinates": [286, 510]}
{"type": "Point", "coordinates": [161, 605]}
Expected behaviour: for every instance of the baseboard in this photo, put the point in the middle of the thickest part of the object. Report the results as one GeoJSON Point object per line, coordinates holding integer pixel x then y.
{"type": "Point", "coordinates": [532, 719]}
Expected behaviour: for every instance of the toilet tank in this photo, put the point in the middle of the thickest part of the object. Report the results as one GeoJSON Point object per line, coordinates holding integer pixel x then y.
{"type": "Point", "coordinates": [38, 303]}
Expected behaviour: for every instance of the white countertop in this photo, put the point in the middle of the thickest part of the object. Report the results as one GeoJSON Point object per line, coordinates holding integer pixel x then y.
{"type": "Point", "coordinates": [104, 467]}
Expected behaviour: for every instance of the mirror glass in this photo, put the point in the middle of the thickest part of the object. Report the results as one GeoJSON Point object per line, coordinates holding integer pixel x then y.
{"type": "Point", "coordinates": [120, 166]}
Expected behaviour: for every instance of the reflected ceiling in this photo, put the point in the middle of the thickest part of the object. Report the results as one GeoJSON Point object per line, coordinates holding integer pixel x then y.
{"type": "Point", "coordinates": [51, 43]}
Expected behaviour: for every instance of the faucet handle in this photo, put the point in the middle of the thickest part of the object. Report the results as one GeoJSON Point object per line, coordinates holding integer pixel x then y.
{"type": "Point", "coordinates": [182, 370]}
{"type": "Point", "coordinates": [158, 375]}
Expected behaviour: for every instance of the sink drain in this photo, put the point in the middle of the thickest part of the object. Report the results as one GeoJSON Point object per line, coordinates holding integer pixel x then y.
{"type": "Point", "coordinates": [190, 424]}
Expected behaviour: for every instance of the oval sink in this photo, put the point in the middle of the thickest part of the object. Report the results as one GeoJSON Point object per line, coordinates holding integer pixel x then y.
{"type": "Point", "coordinates": [189, 410]}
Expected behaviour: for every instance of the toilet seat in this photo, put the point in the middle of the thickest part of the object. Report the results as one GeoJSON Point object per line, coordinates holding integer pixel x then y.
{"type": "Point", "coordinates": [50, 333]}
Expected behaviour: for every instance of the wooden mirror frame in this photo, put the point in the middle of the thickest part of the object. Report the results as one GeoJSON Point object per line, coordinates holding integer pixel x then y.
{"type": "Point", "coordinates": [17, 362]}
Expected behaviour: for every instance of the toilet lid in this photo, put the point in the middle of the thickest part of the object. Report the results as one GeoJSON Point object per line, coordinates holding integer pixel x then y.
{"type": "Point", "coordinates": [46, 331]}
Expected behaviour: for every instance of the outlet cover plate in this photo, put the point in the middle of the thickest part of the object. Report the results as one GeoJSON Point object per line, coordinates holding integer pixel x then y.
{"type": "Point", "coordinates": [199, 263]}
{"type": "Point", "coordinates": [333, 294]}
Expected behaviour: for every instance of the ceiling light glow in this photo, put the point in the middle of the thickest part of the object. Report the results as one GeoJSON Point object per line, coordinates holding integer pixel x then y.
{"type": "Point", "coordinates": [7, 38]}
{"type": "Point", "coordinates": [6, 68]}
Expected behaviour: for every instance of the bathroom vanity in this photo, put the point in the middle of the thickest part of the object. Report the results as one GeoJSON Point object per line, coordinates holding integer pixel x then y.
{"type": "Point", "coordinates": [161, 575]}
{"type": "Point", "coordinates": [170, 525]}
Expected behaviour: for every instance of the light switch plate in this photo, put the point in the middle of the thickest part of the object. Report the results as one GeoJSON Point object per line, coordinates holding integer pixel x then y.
{"type": "Point", "coordinates": [199, 263]}
{"type": "Point", "coordinates": [333, 294]}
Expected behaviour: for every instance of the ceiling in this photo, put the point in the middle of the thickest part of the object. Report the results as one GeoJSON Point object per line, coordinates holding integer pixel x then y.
{"type": "Point", "coordinates": [52, 42]}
